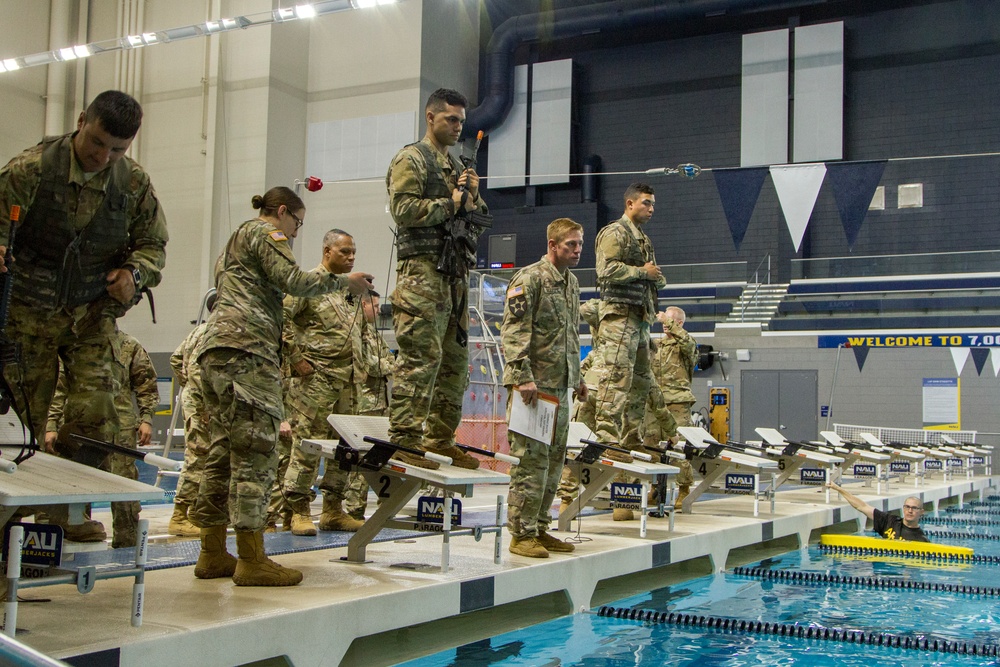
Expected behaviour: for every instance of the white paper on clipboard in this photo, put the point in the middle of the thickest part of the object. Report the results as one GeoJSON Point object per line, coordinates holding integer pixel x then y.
{"type": "Point", "coordinates": [537, 421]}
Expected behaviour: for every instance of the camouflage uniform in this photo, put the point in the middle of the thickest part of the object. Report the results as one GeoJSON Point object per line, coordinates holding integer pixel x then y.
{"type": "Point", "coordinates": [673, 367]}
{"type": "Point", "coordinates": [324, 331]}
{"type": "Point", "coordinates": [241, 376]}
{"type": "Point", "coordinates": [196, 442]}
{"type": "Point", "coordinates": [371, 398]}
{"type": "Point", "coordinates": [628, 309]}
{"type": "Point", "coordinates": [277, 506]}
{"type": "Point", "coordinates": [429, 311]}
{"type": "Point", "coordinates": [66, 314]}
{"type": "Point", "coordinates": [138, 378]}
{"type": "Point", "coordinates": [541, 343]}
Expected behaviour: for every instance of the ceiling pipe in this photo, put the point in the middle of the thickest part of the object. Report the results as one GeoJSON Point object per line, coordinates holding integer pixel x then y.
{"type": "Point", "coordinates": [578, 22]}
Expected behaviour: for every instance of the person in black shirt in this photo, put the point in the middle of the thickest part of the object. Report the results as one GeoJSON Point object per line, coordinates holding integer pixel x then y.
{"type": "Point", "coordinates": [888, 525]}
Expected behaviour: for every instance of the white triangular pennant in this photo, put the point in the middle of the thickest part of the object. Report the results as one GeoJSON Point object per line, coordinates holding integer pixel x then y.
{"type": "Point", "coordinates": [798, 186]}
{"type": "Point", "coordinates": [959, 355]}
{"type": "Point", "coordinates": [995, 358]}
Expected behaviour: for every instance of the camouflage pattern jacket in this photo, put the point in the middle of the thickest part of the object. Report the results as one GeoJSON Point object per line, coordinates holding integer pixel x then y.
{"type": "Point", "coordinates": [323, 330]}
{"type": "Point", "coordinates": [183, 361]}
{"type": "Point", "coordinates": [673, 364]}
{"type": "Point", "coordinates": [378, 362]}
{"type": "Point", "coordinates": [622, 249]}
{"type": "Point", "coordinates": [256, 271]}
{"type": "Point", "coordinates": [147, 226]}
{"type": "Point", "coordinates": [541, 328]}
{"type": "Point", "coordinates": [139, 380]}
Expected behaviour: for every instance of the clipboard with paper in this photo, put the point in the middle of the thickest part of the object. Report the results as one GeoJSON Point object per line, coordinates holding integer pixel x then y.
{"type": "Point", "coordinates": [537, 421]}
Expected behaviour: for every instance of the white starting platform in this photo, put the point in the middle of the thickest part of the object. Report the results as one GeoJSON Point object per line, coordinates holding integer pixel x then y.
{"type": "Point", "coordinates": [901, 461]}
{"type": "Point", "coordinates": [795, 455]}
{"type": "Point", "coordinates": [918, 458]}
{"type": "Point", "coordinates": [596, 472]}
{"type": "Point", "coordinates": [43, 480]}
{"type": "Point", "coordinates": [716, 459]}
{"type": "Point", "coordinates": [982, 455]}
{"type": "Point", "coordinates": [854, 454]}
{"type": "Point", "coordinates": [396, 482]}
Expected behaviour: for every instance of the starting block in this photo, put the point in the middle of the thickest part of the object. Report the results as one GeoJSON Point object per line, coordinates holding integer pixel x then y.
{"type": "Point", "coordinates": [596, 472]}
{"type": "Point", "coordinates": [364, 448]}
{"type": "Point", "coordinates": [982, 455]}
{"type": "Point", "coordinates": [795, 459]}
{"type": "Point", "coordinates": [718, 459]}
{"type": "Point", "coordinates": [44, 479]}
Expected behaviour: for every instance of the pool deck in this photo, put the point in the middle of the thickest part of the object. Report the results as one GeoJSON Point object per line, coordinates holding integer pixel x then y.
{"type": "Point", "coordinates": [206, 623]}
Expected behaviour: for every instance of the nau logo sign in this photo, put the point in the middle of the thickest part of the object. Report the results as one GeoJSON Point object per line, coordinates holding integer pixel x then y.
{"type": "Point", "coordinates": [899, 466]}
{"type": "Point", "coordinates": [955, 463]}
{"type": "Point", "coordinates": [813, 475]}
{"type": "Point", "coordinates": [977, 460]}
{"type": "Point", "coordinates": [626, 496]}
{"type": "Point", "coordinates": [932, 464]}
{"type": "Point", "coordinates": [864, 470]}
{"type": "Point", "coordinates": [42, 544]}
{"type": "Point", "coordinates": [736, 483]}
{"type": "Point", "coordinates": [431, 510]}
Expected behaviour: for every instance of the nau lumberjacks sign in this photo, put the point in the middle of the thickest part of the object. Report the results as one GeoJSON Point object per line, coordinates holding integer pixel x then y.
{"type": "Point", "coordinates": [42, 544]}
{"type": "Point", "coordinates": [899, 467]}
{"type": "Point", "coordinates": [813, 476]}
{"type": "Point", "coordinates": [430, 513]}
{"type": "Point", "coordinates": [626, 496]}
{"type": "Point", "coordinates": [739, 483]}
{"type": "Point", "coordinates": [864, 470]}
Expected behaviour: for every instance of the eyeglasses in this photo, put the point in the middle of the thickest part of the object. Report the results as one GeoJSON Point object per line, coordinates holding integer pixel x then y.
{"type": "Point", "coordinates": [298, 222]}
{"type": "Point", "coordinates": [913, 508]}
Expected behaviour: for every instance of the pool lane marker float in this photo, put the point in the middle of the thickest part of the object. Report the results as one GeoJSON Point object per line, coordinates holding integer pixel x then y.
{"type": "Point", "coordinates": [796, 577]}
{"type": "Point", "coordinates": [865, 545]}
{"type": "Point", "coordinates": [952, 535]}
{"type": "Point", "coordinates": [739, 626]}
{"type": "Point", "coordinates": [946, 521]}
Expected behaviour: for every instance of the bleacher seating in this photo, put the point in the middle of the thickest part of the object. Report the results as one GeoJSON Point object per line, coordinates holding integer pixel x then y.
{"type": "Point", "coordinates": [890, 303]}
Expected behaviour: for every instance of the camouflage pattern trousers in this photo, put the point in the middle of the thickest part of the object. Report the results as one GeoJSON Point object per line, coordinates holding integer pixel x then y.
{"type": "Point", "coordinates": [312, 398]}
{"type": "Point", "coordinates": [621, 397]}
{"type": "Point", "coordinates": [243, 401]}
{"type": "Point", "coordinates": [195, 444]}
{"type": "Point", "coordinates": [432, 368]}
{"type": "Point", "coordinates": [89, 351]}
{"type": "Point", "coordinates": [534, 480]}
{"type": "Point", "coordinates": [682, 415]}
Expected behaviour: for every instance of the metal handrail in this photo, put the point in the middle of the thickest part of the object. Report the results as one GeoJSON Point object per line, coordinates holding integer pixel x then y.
{"type": "Point", "coordinates": [755, 297]}
{"type": "Point", "coordinates": [15, 654]}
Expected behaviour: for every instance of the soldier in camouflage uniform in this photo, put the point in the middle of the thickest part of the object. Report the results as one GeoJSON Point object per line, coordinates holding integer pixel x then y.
{"type": "Point", "coordinates": [320, 337]}
{"type": "Point", "coordinates": [90, 235]}
{"type": "Point", "coordinates": [188, 374]}
{"type": "Point", "coordinates": [673, 367]}
{"type": "Point", "coordinates": [430, 310]}
{"type": "Point", "coordinates": [371, 397]}
{"type": "Point", "coordinates": [138, 379]}
{"type": "Point", "coordinates": [241, 378]}
{"type": "Point", "coordinates": [628, 278]}
{"type": "Point", "coordinates": [541, 343]}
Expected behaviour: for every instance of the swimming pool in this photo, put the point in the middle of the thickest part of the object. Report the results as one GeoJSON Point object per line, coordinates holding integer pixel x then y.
{"type": "Point", "coordinates": [850, 610]}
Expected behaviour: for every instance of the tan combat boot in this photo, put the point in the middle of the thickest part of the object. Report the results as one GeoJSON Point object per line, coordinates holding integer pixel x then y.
{"type": "Point", "coordinates": [622, 515]}
{"type": "Point", "coordinates": [334, 517]}
{"type": "Point", "coordinates": [682, 492]}
{"type": "Point", "coordinates": [255, 569]}
{"type": "Point", "coordinates": [415, 460]}
{"type": "Point", "coordinates": [302, 524]}
{"type": "Point", "coordinates": [180, 524]}
{"type": "Point", "coordinates": [214, 561]}
{"type": "Point", "coordinates": [286, 520]}
{"type": "Point", "coordinates": [88, 531]}
{"type": "Point", "coordinates": [459, 458]}
{"type": "Point", "coordinates": [553, 544]}
{"type": "Point", "coordinates": [528, 547]}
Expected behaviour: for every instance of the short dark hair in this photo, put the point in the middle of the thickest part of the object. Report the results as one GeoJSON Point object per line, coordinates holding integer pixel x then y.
{"type": "Point", "coordinates": [444, 96]}
{"type": "Point", "coordinates": [119, 113]}
{"type": "Point", "coordinates": [275, 198]}
{"type": "Point", "coordinates": [331, 236]}
{"type": "Point", "coordinates": [633, 191]}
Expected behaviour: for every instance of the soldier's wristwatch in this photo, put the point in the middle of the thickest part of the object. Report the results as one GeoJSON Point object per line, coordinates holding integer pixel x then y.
{"type": "Point", "coordinates": [136, 277]}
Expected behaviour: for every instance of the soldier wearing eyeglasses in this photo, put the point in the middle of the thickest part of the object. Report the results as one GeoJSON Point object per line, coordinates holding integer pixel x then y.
{"type": "Point", "coordinates": [890, 526]}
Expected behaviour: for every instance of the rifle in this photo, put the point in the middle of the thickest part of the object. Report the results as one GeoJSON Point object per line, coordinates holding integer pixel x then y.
{"type": "Point", "coordinates": [10, 351]}
{"type": "Point", "coordinates": [160, 462]}
{"type": "Point", "coordinates": [462, 231]}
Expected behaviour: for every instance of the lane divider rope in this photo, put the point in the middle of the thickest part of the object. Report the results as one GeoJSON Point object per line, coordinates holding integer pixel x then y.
{"type": "Point", "coordinates": [797, 576]}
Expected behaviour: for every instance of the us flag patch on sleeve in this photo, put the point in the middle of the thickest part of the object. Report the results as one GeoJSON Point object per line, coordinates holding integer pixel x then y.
{"type": "Point", "coordinates": [278, 235]}
{"type": "Point", "coordinates": [515, 291]}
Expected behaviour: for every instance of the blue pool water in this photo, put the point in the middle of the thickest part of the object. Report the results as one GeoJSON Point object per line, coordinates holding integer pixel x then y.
{"type": "Point", "coordinates": [595, 641]}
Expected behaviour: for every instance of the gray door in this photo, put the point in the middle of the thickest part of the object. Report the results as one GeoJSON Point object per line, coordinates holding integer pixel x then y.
{"type": "Point", "coordinates": [785, 400]}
